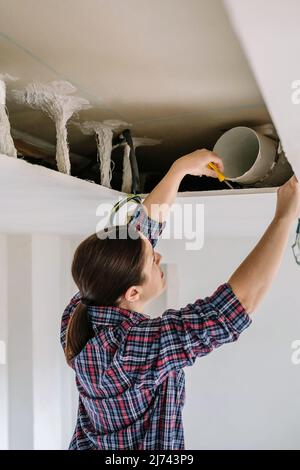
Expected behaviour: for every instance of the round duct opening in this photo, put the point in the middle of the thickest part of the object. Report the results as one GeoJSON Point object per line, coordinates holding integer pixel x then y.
{"type": "Point", "coordinates": [247, 155]}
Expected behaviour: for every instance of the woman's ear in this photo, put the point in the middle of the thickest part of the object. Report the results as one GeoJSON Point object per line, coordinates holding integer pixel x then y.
{"type": "Point", "coordinates": [133, 294]}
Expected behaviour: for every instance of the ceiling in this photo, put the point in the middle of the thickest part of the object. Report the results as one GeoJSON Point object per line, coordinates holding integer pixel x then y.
{"type": "Point", "coordinates": [173, 69]}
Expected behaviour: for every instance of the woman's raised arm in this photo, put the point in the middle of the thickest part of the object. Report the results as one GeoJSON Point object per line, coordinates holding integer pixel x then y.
{"type": "Point", "coordinates": [159, 201]}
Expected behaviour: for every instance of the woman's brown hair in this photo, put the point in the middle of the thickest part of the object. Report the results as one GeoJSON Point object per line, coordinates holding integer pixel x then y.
{"type": "Point", "coordinates": [104, 266]}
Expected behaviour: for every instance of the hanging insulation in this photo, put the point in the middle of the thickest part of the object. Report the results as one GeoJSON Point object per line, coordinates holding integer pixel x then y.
{"type": "Point", "coordinates": [104, 134]}
{"type": "Point", "coordinates": [127, 173]}
{"type": "Point", "coordinates": [7, 146]}
{"type": "Point", "coordinates": [56, 101]}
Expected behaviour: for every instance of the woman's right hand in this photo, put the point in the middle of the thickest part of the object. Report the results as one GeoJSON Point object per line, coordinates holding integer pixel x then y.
{"type": "Point", "coordinates": [195, 163]}
{"type": "Point", "coordinates": [288, 200]}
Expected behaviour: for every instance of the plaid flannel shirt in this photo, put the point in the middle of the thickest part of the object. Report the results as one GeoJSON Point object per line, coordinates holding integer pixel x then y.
{"type": "Point", "coordinates": [130, 375]}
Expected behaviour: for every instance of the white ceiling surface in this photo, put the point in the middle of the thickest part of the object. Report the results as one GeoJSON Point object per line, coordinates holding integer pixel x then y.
{"type": "Point", "coordinates": [269, 32]}
{"type": "Point", "coordinates": [34, 199]}
{"type": "Point", "coordinates": [172, 68]}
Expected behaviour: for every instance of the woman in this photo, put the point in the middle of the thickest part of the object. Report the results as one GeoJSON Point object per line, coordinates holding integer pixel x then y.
{"type": "Point", "coordinates": [128, 366]}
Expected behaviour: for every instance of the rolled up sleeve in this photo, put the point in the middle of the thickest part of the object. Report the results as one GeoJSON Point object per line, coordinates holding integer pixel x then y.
{"type": "Point", "coordinates": [152, 229]}
{"type": "Point", "coordinates": [157, 346]}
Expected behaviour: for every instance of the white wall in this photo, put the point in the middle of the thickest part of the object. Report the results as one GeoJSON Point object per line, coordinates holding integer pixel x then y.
{"type": "Point", "coordinates": [3, 339]}
{"type": "Point", "coordinates": [37, 393]}
{"type": "Point", "coordinates": [19, 347]}
{"type": "Point", "coordinates": [243, 395]}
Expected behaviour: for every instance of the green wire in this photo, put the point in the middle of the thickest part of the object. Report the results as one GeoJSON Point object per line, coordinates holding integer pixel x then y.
{"type": "Point", "coordinates": [128, 197]}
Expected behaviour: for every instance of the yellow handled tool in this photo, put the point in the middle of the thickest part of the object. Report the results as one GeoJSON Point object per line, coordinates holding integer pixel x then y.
{"type": "Point", "coordinates": [221, 177]}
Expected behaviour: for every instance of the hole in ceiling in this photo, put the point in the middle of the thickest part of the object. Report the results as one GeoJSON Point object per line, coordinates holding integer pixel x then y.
{"type": "Point", "coordinates": [182, 85]}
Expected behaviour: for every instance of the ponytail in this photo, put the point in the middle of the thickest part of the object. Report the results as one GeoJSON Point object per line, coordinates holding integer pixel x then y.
{"type": "Point", "coordinates": [102, 269]}
{"type": "Point", "coordinates": [79, 332]}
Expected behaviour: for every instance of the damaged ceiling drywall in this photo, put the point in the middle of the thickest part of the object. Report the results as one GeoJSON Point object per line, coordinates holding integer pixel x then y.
{"type": "Point", "coordinates": [175, 70]}
{"type": "Point", "coordinates": [46, 201]}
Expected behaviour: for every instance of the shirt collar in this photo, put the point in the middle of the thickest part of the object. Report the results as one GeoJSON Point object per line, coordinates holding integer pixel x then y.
{"type": "Point", "coordinates": [107, 315]}
{"type": "Point", "coordinates": [111, 315]}
{"type": "Point", "coordinates": [102, 315]}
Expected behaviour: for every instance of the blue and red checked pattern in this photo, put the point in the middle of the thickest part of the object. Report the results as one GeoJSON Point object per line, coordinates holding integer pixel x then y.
{"type": "Point", "coordinates": [151, 228]}
{"type": "Point", "coordinates": [130, 375]}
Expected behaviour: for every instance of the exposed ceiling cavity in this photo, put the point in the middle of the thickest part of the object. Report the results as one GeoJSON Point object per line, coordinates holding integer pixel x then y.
{"type": "Point", "coordinates": [173, 69]}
